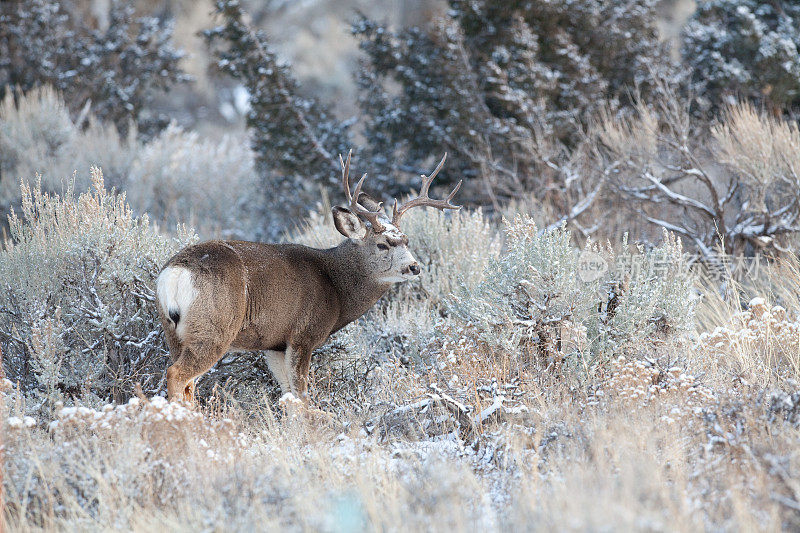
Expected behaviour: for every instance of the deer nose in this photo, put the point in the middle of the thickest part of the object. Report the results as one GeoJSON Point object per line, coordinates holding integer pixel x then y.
{"type": "Point", "coordinates": [414, 269]}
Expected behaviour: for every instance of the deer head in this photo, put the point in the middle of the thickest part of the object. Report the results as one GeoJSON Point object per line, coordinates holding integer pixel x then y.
{"type": "Point", "coordinates": [382, 246]}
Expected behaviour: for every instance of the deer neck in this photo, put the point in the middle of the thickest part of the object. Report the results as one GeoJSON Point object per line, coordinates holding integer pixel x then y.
{"type": "Point", "coordinates": [357, 290]}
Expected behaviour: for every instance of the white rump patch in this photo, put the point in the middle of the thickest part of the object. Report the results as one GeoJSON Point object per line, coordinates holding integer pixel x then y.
{"type": "Point", "coordinates": [176, 292]}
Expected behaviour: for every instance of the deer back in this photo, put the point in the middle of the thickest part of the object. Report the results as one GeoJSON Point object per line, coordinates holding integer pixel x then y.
{"type": "Point", "coordinates": [268, 293]}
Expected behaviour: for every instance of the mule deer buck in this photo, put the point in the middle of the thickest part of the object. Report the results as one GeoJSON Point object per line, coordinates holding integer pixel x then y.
{"type": "Point", "coordinates": [285, 299]}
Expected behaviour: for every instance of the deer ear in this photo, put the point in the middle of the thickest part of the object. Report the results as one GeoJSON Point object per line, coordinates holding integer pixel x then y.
{"type": "Point", "coordinates": [348, 223]}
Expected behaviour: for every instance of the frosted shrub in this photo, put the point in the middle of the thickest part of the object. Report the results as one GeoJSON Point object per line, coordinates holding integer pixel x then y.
{"type": "Point", "coordinates": [77, 311]}
{"type": "Point", "coordinates": [31, 131]}
{"type": "Point", "coordinates": [534, 305]}
{"type": "Point", "coordinates": [649, 298]}
{"type": "Point", "coordinates": [317, 229]}
{"type": "Point", "coordinates": [528, 292]}
{"type": "Point", "coordinates": [452, 248]}
{"type": "Point", "coordinates": [97, 144]}
{"type": "Point", "coordinates": [180, 178]}
{"type": "Point", "coordinates": [34, 128]}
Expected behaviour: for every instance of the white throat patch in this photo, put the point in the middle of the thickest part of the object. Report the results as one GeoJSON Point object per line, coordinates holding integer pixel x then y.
{"type": "Point", "coordinates": [395, 279]}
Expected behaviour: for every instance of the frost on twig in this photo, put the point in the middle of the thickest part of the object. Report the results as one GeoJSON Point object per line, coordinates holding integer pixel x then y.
{"type": "Point", "coordinates": [439, 414]}
{"type": "Point", "coordinates": [434, 415]}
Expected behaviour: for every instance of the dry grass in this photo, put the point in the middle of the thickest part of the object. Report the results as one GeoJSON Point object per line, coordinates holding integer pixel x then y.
{"type": "Point", "coordinates": [749, 329]}
{"type": "Point", "coordinates": [609, 461]}
{"type": "Point", "coordinates": [762, 149]}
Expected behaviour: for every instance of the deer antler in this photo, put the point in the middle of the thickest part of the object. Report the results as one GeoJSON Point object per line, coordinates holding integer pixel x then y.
{"type": "Point", "coordinates": [355, 207]}
{"type": "Point", "coordinates": [423, 199]}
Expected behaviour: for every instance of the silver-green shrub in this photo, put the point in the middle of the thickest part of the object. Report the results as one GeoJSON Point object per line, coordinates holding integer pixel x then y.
{"type": "Point", "coordinates": [650, 297]}
{"type": "Point", "coordinates": [37, 136]}
{"type": "Point", "coordinates": [179, 177]}
{"type": "Point", "coordinates": [32, 130]}
{"type": "Point", "coordinates": [538, 293]}
{"type": "Point", "coordinates": [77, 306]}
{"type": "Point", "coordinates": [453, 249]}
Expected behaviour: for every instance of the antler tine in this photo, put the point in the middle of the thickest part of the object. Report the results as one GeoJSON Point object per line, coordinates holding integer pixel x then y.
{"type": "Point", "coordinates": [346, 175]}
{"type": "Point", "coordinates": [357, 192]}
{"type": "Point", "coordinates": [352, 199]}
{"type": "Point", "coordinates": [427, 180]}
{"type": "Point", "coordinates": [423, 199]}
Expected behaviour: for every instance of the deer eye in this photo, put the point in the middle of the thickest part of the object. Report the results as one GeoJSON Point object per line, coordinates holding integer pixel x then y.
{"type": "Point", "coordinates": [382, 246]}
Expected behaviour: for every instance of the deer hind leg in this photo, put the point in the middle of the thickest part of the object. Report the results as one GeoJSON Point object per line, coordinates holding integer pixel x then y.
{"type": "Point", "coordinates": [195, 360]}
{"type": "Point", "coordinates": [188, 391]}
{"type": "Point", "coordinates": [298, 360]}
{"type": "Point", "coordinates": [276, 361]}
{"type": "Point", "coordinates": [174, 375]}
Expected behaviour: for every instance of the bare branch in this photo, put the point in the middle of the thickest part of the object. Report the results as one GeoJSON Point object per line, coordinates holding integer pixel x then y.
{"type": "Point", "coordinates": [678, 198]}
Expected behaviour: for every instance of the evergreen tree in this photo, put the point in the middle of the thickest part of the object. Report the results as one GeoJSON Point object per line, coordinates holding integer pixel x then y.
{"type": "Point", "coordinates": [496, 77]}
{"type": "Point", "coordinates": [745, 48]}
{"type": "Point", "coordinates": [291, 135]}
{"type": "Point", "coordinates": [117, 70]}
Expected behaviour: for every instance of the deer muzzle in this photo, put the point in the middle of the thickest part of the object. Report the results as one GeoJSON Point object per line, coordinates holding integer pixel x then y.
{"type": "Point", "coordinates": [412, 269]}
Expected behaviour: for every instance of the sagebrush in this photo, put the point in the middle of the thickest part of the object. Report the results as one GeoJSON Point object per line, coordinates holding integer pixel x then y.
{"type": "Point", "coordinates": [77, 311]}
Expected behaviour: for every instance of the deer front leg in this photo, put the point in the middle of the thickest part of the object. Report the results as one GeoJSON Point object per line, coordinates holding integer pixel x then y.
{"type": "Point", "coordinates": [298, 360]}
{"type": "Point", "coordinates": [276, 361]}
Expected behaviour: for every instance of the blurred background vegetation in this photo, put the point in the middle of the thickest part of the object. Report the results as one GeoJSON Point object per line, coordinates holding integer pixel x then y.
{"type": "Point", "coordinates": [230, 115]}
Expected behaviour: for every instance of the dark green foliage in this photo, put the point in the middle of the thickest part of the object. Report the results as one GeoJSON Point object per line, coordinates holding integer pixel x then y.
{"type": "Point", "coordinates": [494, 78]}
{"type": "Point", "coordinates": [745, 48]}
{"type": "Point", "coordinates": [118, 70]}
{"type": "Point", "coordinates": [291, 135]}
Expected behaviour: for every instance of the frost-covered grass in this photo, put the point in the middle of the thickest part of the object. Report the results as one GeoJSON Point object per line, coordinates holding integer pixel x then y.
{"type": "Point", "coordinates": [632, 456]}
